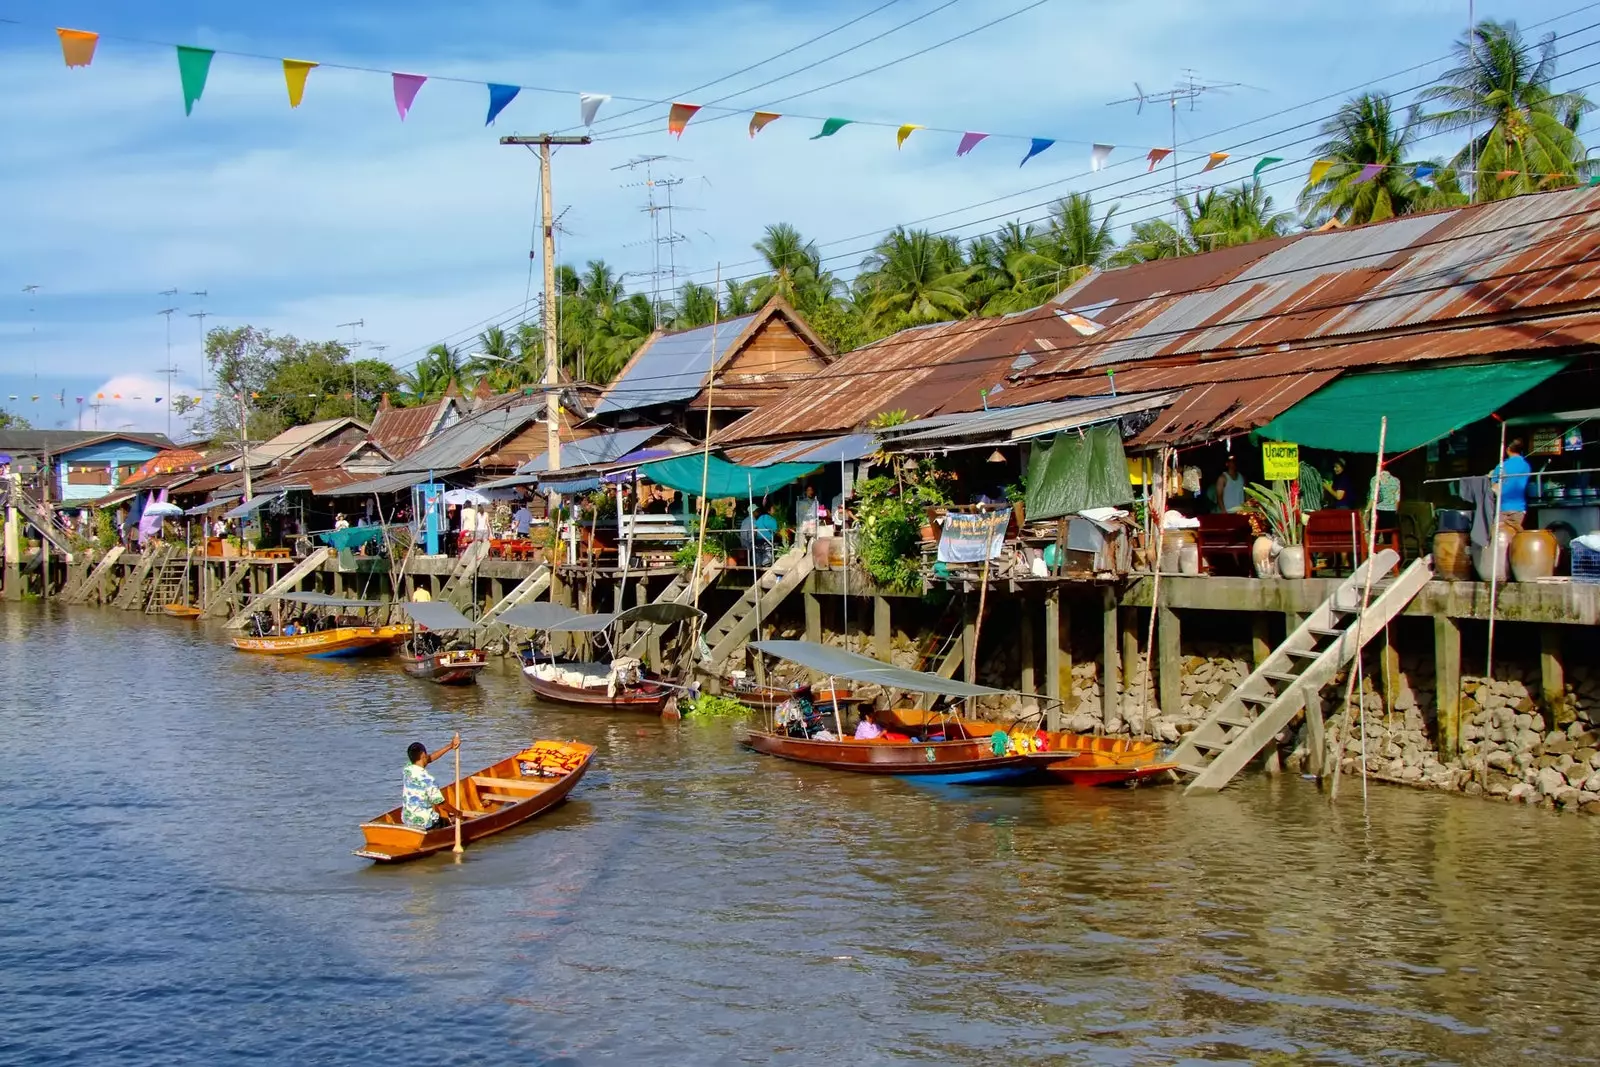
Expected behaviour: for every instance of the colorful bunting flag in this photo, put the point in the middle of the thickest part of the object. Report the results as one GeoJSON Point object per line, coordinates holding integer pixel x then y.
{"type": "Point", "coordinates": [831, 127]}
{"type": "Point", "coordinates": [1595, 180]}
{"type": "Point", "coordinates": [760, 119]}
{"type": "Point", "coordinates": [499, 97]}
{"type": "Point", "coordinates": [1155, 157]}
{"type": "Point", "coordinates": [1215, 160]}
{"type": "Point", "coordinates": [405, 91]}
{"type": "Point", "coordinates": [1423, 174]}
{"type": "Point", "coordinates": [1098, 154]}
{"type": "Point", "coordinates": [1319, 170]}
{"type": "Point", "coordinates": [77, 46]}
{"type": "Point", "coordinates": [35, 398]}
{"type": "Point", "coordinates": [1039, 145]}
{"type": "Point", "coordinates": [156, 399]}
{"type": "Point", "coordinates": [1368, 172]}
{"type": "Point", "coordinates": [905, 131]}
{"type": "Point", "coordinates": [678, 117]}
{"type": "Point", "coordinates": [194, 65]}
{"type": "Point", "coordinates": [1503, 175]}
{"type": "Point", "coordinates": [589, 106]}
{"type": "Point", "coordinates": [1266, 161]}
{"type": "Point", "coordinates": [969, 141]}
{"type": "Point", "coordinates": [294, 77]}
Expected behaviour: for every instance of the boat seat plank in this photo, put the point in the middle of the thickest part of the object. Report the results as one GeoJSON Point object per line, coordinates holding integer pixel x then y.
{"type": "Point", "coordinates": [502, 798]}
{"type": "Point", "coordinates": [510, 783]}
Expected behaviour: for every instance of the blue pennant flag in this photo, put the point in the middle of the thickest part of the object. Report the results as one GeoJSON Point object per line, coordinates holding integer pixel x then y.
{"type": "Point", "coordinates": [1423, 174]}
{"type": "Point", "coordinates": [499, 97]}
{"type": "Point", "coordinates": [1039, 145]}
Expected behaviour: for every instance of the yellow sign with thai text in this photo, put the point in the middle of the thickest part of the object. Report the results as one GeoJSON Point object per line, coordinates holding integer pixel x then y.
{"type": "Point", "coordinates": [1280, 461]}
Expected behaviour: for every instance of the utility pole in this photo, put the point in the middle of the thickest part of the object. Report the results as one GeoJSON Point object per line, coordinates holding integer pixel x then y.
{"type": "Point", "coordinates": [200, 318]}
{"type": "Point", "coordinates": [244, 444]}
{"type": "Point", "coordinates": [552, 381]}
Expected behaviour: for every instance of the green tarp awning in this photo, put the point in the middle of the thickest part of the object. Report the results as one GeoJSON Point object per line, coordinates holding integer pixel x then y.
{"type": "Point", "coordinates": [1076, 472]}
{"type": "Point", "coordinates": [1423, 405]}
{"type": "Point", "coordinates": [722, 479]}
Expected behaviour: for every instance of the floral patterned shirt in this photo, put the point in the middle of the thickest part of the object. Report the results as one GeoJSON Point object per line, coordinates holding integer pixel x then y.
{"type": "Point", "coordinates": [418, 795]}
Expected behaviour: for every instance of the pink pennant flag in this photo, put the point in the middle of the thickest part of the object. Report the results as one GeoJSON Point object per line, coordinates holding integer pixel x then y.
{"type": "Point", "coordinates": [1368, 172]}
{"type": "Point", "coordinates": [969, 141]}
{"type": "Point", "coordinates": [405, 91]}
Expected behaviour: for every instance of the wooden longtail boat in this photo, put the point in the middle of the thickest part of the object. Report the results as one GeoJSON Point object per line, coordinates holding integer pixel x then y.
{"type": "Point", "coordinates": [621, 685]}
{"type": "Point", "coordinates": [496, 798]}
{"type": "Point", "coordinates": [647, 696]}
{"type": "Point", "coordinates": [1076, 759]}
{"type": "Point", "coordinates": [425, 655]}
{"type": "Point", "coordinates": [456, 666]}
{"type": "Point", "coordinates": [768, 697]}
{"type": "Point", "coordinates": [181, 611]}
{"type": "Point", "coordinates": [341, 642]}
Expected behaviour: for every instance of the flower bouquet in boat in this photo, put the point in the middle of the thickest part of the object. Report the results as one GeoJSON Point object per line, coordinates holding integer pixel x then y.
{"type": "Point", "coordinates": [619, 681]}
{"type": "Point", "coordinates": [321, 627]}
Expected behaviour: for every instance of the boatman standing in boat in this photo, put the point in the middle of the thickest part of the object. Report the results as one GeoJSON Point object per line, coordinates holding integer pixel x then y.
{"type": "Point", "coordinates": [421, 798]}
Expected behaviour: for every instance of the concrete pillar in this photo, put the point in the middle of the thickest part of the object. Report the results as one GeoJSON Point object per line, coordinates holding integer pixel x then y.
{"type": "Point", "coordinates": [1447, 682]}
{"type": "Point", "coordinates": [1052, 646]}
{"type": "Point", "coordinates": [1260, 639]}
{"type": "Point", "coordinates": [13, 590]}
{"type": "Point", "coordinates": [1316, 735]}
{"type": "Point", "coordinates": [1025, 627]}
{"type": "Point", "coordinates": [1389, 672]}
{"type": "Point", "coordinates": [969, 639]}
{"type": "Point", "coordinates": [882, 634]}
{"type": "Point", "coordinates": [813, 605]}
{"type": "Point", "coordinates": [1553, 677]}
{"type": "Point", "coordinates": [1131, 666]}
{"type": "Point", "coordinates": [1169, 657]}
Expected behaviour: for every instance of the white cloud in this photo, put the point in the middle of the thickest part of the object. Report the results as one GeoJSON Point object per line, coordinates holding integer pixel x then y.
{"type": "Point", "coordinates": [129, 402]}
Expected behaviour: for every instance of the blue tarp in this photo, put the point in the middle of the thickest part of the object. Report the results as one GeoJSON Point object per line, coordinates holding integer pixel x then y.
{"type": "Point", "coordinates": [721, 478]}
{"type": "Point", "coordinates": [351, 537]}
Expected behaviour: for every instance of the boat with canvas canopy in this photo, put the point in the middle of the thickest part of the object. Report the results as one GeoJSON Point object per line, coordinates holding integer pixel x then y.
{"type": "Point", "coordinates": [500, 796]}
{"type": "Point", "coordinates": [943, 748]}
{"type": "Point", "coordinates": [328, 630]}
{"type": "Point", "coordinates": [430, 655]}
{"type": "Point", "coordinates": [618, 683]}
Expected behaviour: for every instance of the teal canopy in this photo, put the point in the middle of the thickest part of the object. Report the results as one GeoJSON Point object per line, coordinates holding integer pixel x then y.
{"type": "Point", "coordinates": [1076, 472]}
{"type": "Point", "coordinates": [351, 537]}
{"type": "Point", "coordinates": [1423, 405]}
{"type": "Point", "coordinates": [722, 479]}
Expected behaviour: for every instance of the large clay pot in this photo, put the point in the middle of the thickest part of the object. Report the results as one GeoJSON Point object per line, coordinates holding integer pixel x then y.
{"type": "Point", "coordinates": [1452, 555]}
{"type": "Point", "coordinates": [1292, 561]}
{"type": "Point", "coordinates": [1189, 559]}
{"type": "Point", "coordinates": [1483, 558]}
{"type": "Point", "coordinates": [1261, 556]}
{"type": "Point", "coordinates": [1533, 555]}
{"type": "Point", "coordinates": [1173, 543]}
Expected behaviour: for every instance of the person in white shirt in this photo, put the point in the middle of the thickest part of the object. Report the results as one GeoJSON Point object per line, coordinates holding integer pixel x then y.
{"type": "Point", "coordinates": [469, 522]}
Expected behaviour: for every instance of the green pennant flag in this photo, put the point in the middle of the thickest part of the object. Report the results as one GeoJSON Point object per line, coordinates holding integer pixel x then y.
{"type": "Point", "coordinates": [1595, 180]}
{"type": "Point", "coordinates": [831, 127]}
{"type": "Point", "coordinates": [193, 66]}
{"type": "Point", "coordinates": [1266, 162]}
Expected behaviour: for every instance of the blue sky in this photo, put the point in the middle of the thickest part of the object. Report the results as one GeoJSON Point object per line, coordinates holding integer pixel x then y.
{"type": "Point", "coordinates": [301, 220]}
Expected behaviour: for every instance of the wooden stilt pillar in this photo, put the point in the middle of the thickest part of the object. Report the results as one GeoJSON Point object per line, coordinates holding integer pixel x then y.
{"type": "Point", "coordinates": [1389, 672]}
{"type": "Point", "coordinates": [1316, 734]}
{"type": "Point", "coordinates": [1260, 639]}
{"type": "Point", "coordinates": [813, 605]}
{"type": "Point", "coordinates": [882, 634]}
{"type": "Point", "coordinates": [1447, 682]}
{"type": "Point", "coordinates": [1131, 665]}
{"type": "Point", "coordinates": [1170, 662]}
{"type": "Point", "coordinates": [1553, 677]}
{"type": "Point", "coordinates": [1025, 635]}
{"type": "Point", "coordinates": [969, 639]}
{"type": "Point", "coordinates": [1052, 646]}
{"type": "Point", "coordinates": [1111, 665]}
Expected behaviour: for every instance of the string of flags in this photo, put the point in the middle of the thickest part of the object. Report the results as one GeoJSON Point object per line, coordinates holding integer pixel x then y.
{"type": "Point", "coordinates": [78, 49]}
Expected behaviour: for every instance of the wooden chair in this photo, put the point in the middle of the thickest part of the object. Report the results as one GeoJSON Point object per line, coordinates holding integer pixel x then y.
{"type": "Point", "coordinates": [1333, 535]}
{"type": "Point", "coordinates": [1417, 523]}
{"type": "Point", "coordinates": [1224, 542]}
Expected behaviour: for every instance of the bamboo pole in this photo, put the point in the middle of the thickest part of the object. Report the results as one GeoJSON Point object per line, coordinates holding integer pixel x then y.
{"type": "Point", "coordinates": [458, 850]}
{"type": "Point", "coordinates": [1157, 512]}
{"type": "Point", "coordinates": [1366, 596]}
{"type": "Point", "coordinates": [983, 596]}
{"type": "Point", "coordinates": [1494, 550]}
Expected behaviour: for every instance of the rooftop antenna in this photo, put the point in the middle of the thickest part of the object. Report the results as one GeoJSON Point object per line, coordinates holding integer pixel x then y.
{"type": "Point", "coordinates": [169, 370]}
{"type": "Point", "coordinates": [652, 184]}
{"type": "Point", "coordinates": [33, 331]}
{"type": "Point", "coordinates": [200, 318]}
{"type": "Point", "coordinates": [355, 343]}
{"type": "Point", "coordinates": [1188, 88]}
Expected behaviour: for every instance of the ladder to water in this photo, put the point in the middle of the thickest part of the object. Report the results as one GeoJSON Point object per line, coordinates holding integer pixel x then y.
{"type": "Point", "coordinates": [131, 593]}
{"type": "Point", "coordinates": [95, 580]}
{"type": "Point", "coordinates": [1253, 714]}
{"type": "Point", "coordinates": [288, 583]}
{"type": "Point", "coordinates": [170, 584]}
{"type": "Point", "coordinates": [458, 589]}
{"type": "Point", "coordinates": [530, 588]}
{"type": "Point", "coordinates": [44, 521]}
{"type": "Point", "coordinates": [681, 590]}
{"type": "Point", "coordinates": [769, 590]}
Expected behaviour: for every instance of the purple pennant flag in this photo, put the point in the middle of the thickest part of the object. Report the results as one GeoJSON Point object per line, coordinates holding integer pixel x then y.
{"type": "Point", "coordinates": [1368, 172]}
{"type": "Point", "coordinates": [499, 97]}
{"type": "Point", "coordinates": [405, 91]}
{"type": "Point", "coordinates": [969, 141]}
{"type": "Point", "coordinates": [1039, 145]}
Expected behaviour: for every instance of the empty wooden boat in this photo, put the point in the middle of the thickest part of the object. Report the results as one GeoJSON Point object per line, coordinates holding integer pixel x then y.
{"type": "Point", "coordinates": [767, 697]}
{"type": "Point", "coordinates": [500, 796]}
{"type": "Point", "coordinates": [181, 611]}
{"type": "Point", "coordinates": [325, 627]}
{"type": "Point", "coordinates": [431, 654]}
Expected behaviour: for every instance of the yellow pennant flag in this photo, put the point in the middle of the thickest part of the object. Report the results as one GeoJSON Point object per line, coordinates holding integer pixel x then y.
{"type": "Point", "coordinates": [1216, 160]}
{"type": "Point", "coordinates": [294, 76]}
{"type": "Point", "coordinates": [77, 46]}
{"type": "Point", "coordinates": [905, 131]}
{"type": "Point", "coordinates": [1320, 169]}
{"type": "Point", "coordinates": [759, 120]}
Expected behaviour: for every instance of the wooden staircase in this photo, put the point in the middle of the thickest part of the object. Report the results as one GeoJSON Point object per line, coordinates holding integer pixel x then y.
{"type": "Point", "coordinates": [170, 585]}
{"type": "Point", "coordinates": [530, 588]}
{"type": "Point", "coordinates": [458, 589]}
{"type": "Point", "coordinates": [681, 590]}
{"type": "Point", "coordinates": [44, 521]}
{"type": "Point", "coordinates": [131, 593]}
{"type": "Point", "coordinates": [1243, 724]}
{"type": "Point", "coordinates": [736, 626]}
{"type": "Point", "coordinates": [95, 580]}
{"type": "Point", "coordinates": [217, 602]}
{"type": "Point", "coordinates": [288, 583]}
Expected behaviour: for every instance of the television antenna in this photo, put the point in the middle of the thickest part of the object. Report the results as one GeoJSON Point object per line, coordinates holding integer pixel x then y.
{"type": "Point", "coordinates": [169, 370]}
{"type": "Point", "coordinates": [664, 184]}
{"type": "Point", "coordinates": [1189, 88]}
{"type": "Point", "coordinates": [355, 343]}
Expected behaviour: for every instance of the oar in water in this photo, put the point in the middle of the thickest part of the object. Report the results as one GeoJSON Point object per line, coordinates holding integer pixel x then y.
{"type": "Point", "coordinates": [458, 850]}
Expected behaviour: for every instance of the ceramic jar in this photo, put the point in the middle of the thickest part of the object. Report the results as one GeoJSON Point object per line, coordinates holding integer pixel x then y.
{"type": "Point", "coordinates": [1533, 555]}
{"type": "Point", "coordinates": [1452, 556]}
{"type": "Point", "coordinates": [1292, 561]}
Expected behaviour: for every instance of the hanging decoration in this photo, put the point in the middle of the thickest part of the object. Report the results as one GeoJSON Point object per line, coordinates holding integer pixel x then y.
{"type": "Point", "coordinates": [831, 127]}
{"type": "Point", "coordinates": [1214, 160]}
{"type": "Point", "coordinates": [1266, 161]}
{"type": "Point", "coordinates": [969, 141]}
{"type": "Point", "coordinates": [194, 65]}
{"type": "Point", "coordinates": [905, 131]}
{"type": "Point", "coordinates": [294, 77]}
{"type": "Point", "coordinates": [1038, 145]}
{"type": "Point", "coordinates": [589, 106]}
{"type": "Point", "coordinates": [77, 46]}
{"type": "Point", "coordinates": [1423, 174]}
{"type": "Point", "coordinates": [1368, 172]}
{"type": "Point", "coordinates": [1504, 174]}
{"type": "Point", "coordinates": [1319, 170]}
{"type": "Point", "coordinates": [405, 91]}
{"type": "Point", "coordinates": [499, 97]}
{"type": "Point", "coordinates": [1155, 157]}
{"type": "Point", "coordinates": [678, 117]}
{"type": "Point", "coordinates": [761, 119]}
{"type": "Point", "coordinates": [1098, 154]}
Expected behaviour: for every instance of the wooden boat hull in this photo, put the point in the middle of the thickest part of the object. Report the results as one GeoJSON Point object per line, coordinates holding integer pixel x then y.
{"type": "Point", "coordinates": [646, 698]}
{"type": "Point", "coordinates": [456, 667]}
{"type": "Point", "coordinates": [767, 698]}
{"type": "Point", "coordinates": [341, 642]}
{"type": "Point", "coordinates": [181, 611]}
{"type": "Point", "coordinates": [1075, 759]}
{"type": "Point", "coordinates": [968, 762]}
{"type": "Point", "coordinates": [500, 796]}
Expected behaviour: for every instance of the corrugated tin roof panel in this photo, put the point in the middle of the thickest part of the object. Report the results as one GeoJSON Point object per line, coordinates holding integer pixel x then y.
{"type": "Point", "coordinates": [459, 445]}
{"type": "Point", "coordinates": [673, 366]}
{"type": "Point", "coordinates": [601, 448]}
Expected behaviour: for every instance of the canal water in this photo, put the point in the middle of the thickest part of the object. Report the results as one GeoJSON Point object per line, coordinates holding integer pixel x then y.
{"type": "Point", "coordinates": [178, 887]}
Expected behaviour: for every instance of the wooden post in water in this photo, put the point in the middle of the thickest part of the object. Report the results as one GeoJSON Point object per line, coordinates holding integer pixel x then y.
{"type": "Point", "coordinates": [1026, 637]}
{"type": "Point", "coordinates": [1553, 677]}
{"type": "Point", "coordinates": [1170, 670]}
{"type": "Point", "coordinates": [13, 589]}
{"type": "Point", "coordinates": [882, 629]}
{"type": "Point", "coordinates": [1052, 646]}
{"type": "Point", "coordinates": [1130, 657]}
{"type": "Point", "coordinates": [1447, 683]}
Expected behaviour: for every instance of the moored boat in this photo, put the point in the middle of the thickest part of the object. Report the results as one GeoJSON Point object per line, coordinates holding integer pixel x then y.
{"type": "Point", "coordinates": [455, 666]}
{"type": "Point", "coordinates": [320, 633]}
{"type": "Point", "coordinates": [619, 684]}
{"type": "Point", "coordinates": [500, 796]}
{"type": "Point", "coordinates": [181, 611]}
{"type": "Point", "coordinates": [1071, 758]}
{"type": "Point", "coordinates": [426, 654]}
{"type": "Point", "coordinates": [768, 697]}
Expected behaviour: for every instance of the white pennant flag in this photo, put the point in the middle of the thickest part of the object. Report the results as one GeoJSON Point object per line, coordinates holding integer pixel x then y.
{"type": "Point", "coordinates": [589, 105]}
{"type": "Point", "coordinates": [1099, 154]}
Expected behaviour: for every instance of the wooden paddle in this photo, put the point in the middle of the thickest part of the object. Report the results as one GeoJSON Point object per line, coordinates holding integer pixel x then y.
{"type": "Point", "coordinates": [458, 850]}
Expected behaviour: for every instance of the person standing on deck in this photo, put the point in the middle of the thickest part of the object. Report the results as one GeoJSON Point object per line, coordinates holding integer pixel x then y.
{"type": "Point", "coordinates": [808, 513]}
{"type": "Point", "coordinates": [1386, 495]}
{"type": "Point", "coordinates": [522, 521]}
{"type": "Point", "coordinates": [1340, 493]}
{"type": "Point", "coordinates": [1230, 487]}
{"type": "Point", "coordinates": [469, 524]}
{"type": "Point", "coordinates": [1513, 474]}
{"type": "Point", "coordinates": [420, 796]}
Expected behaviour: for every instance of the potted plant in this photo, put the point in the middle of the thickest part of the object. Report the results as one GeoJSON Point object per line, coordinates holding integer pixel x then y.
{"type": "Point", "coordinates": [1279, 506]}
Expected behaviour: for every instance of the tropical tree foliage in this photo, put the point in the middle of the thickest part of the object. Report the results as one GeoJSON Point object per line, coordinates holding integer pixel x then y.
{"type": "Point", "coordinates": [1364, 132]}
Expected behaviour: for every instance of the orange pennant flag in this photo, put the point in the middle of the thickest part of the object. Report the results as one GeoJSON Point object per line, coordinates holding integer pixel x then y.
{"type": "Point", "coordinates": [760, 119]}
{"type": "Point", "coordinates": [1215, 160]}
{"type": "Point", "coordinates": [1156, 156]}
{"type": "Point", "coordinates": [679, 117]}
{"type": "Point", "coordinates": [294, 76]}
{"type": "Point", "coordinates": [1319, 170]}
{"type": "Point", "coordinates": [904, 132]}
{"type": "Point", "coordinates": [77, 46]}
{"type": "Point", "coordinates": [1503, 175]}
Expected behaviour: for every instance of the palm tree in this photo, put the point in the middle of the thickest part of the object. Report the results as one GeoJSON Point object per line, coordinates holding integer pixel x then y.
{"type": "Point", "coordinates": [1072, 238]}
{"type": "Point", "coordinates": [1504, 85]}
{"type": "Point", "coordinates": [1156, 238]}
{"type": "Point", "coordinates": [793, 262]}
{"type": "Point", "coordinates": [495, 361]}
{"type": "Point", "coordinates": [1361, 133]}
{"type": "Point", "coordinates": [1241, 215]}
{"type": "Point", "coordinates": [740, 298]}
{"type": "Point", "coordinates": [914, 277]}
{"type": "Point", "coordinates": [697, 305]}
{"type": "Point", "coordinates": [432, 374]}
